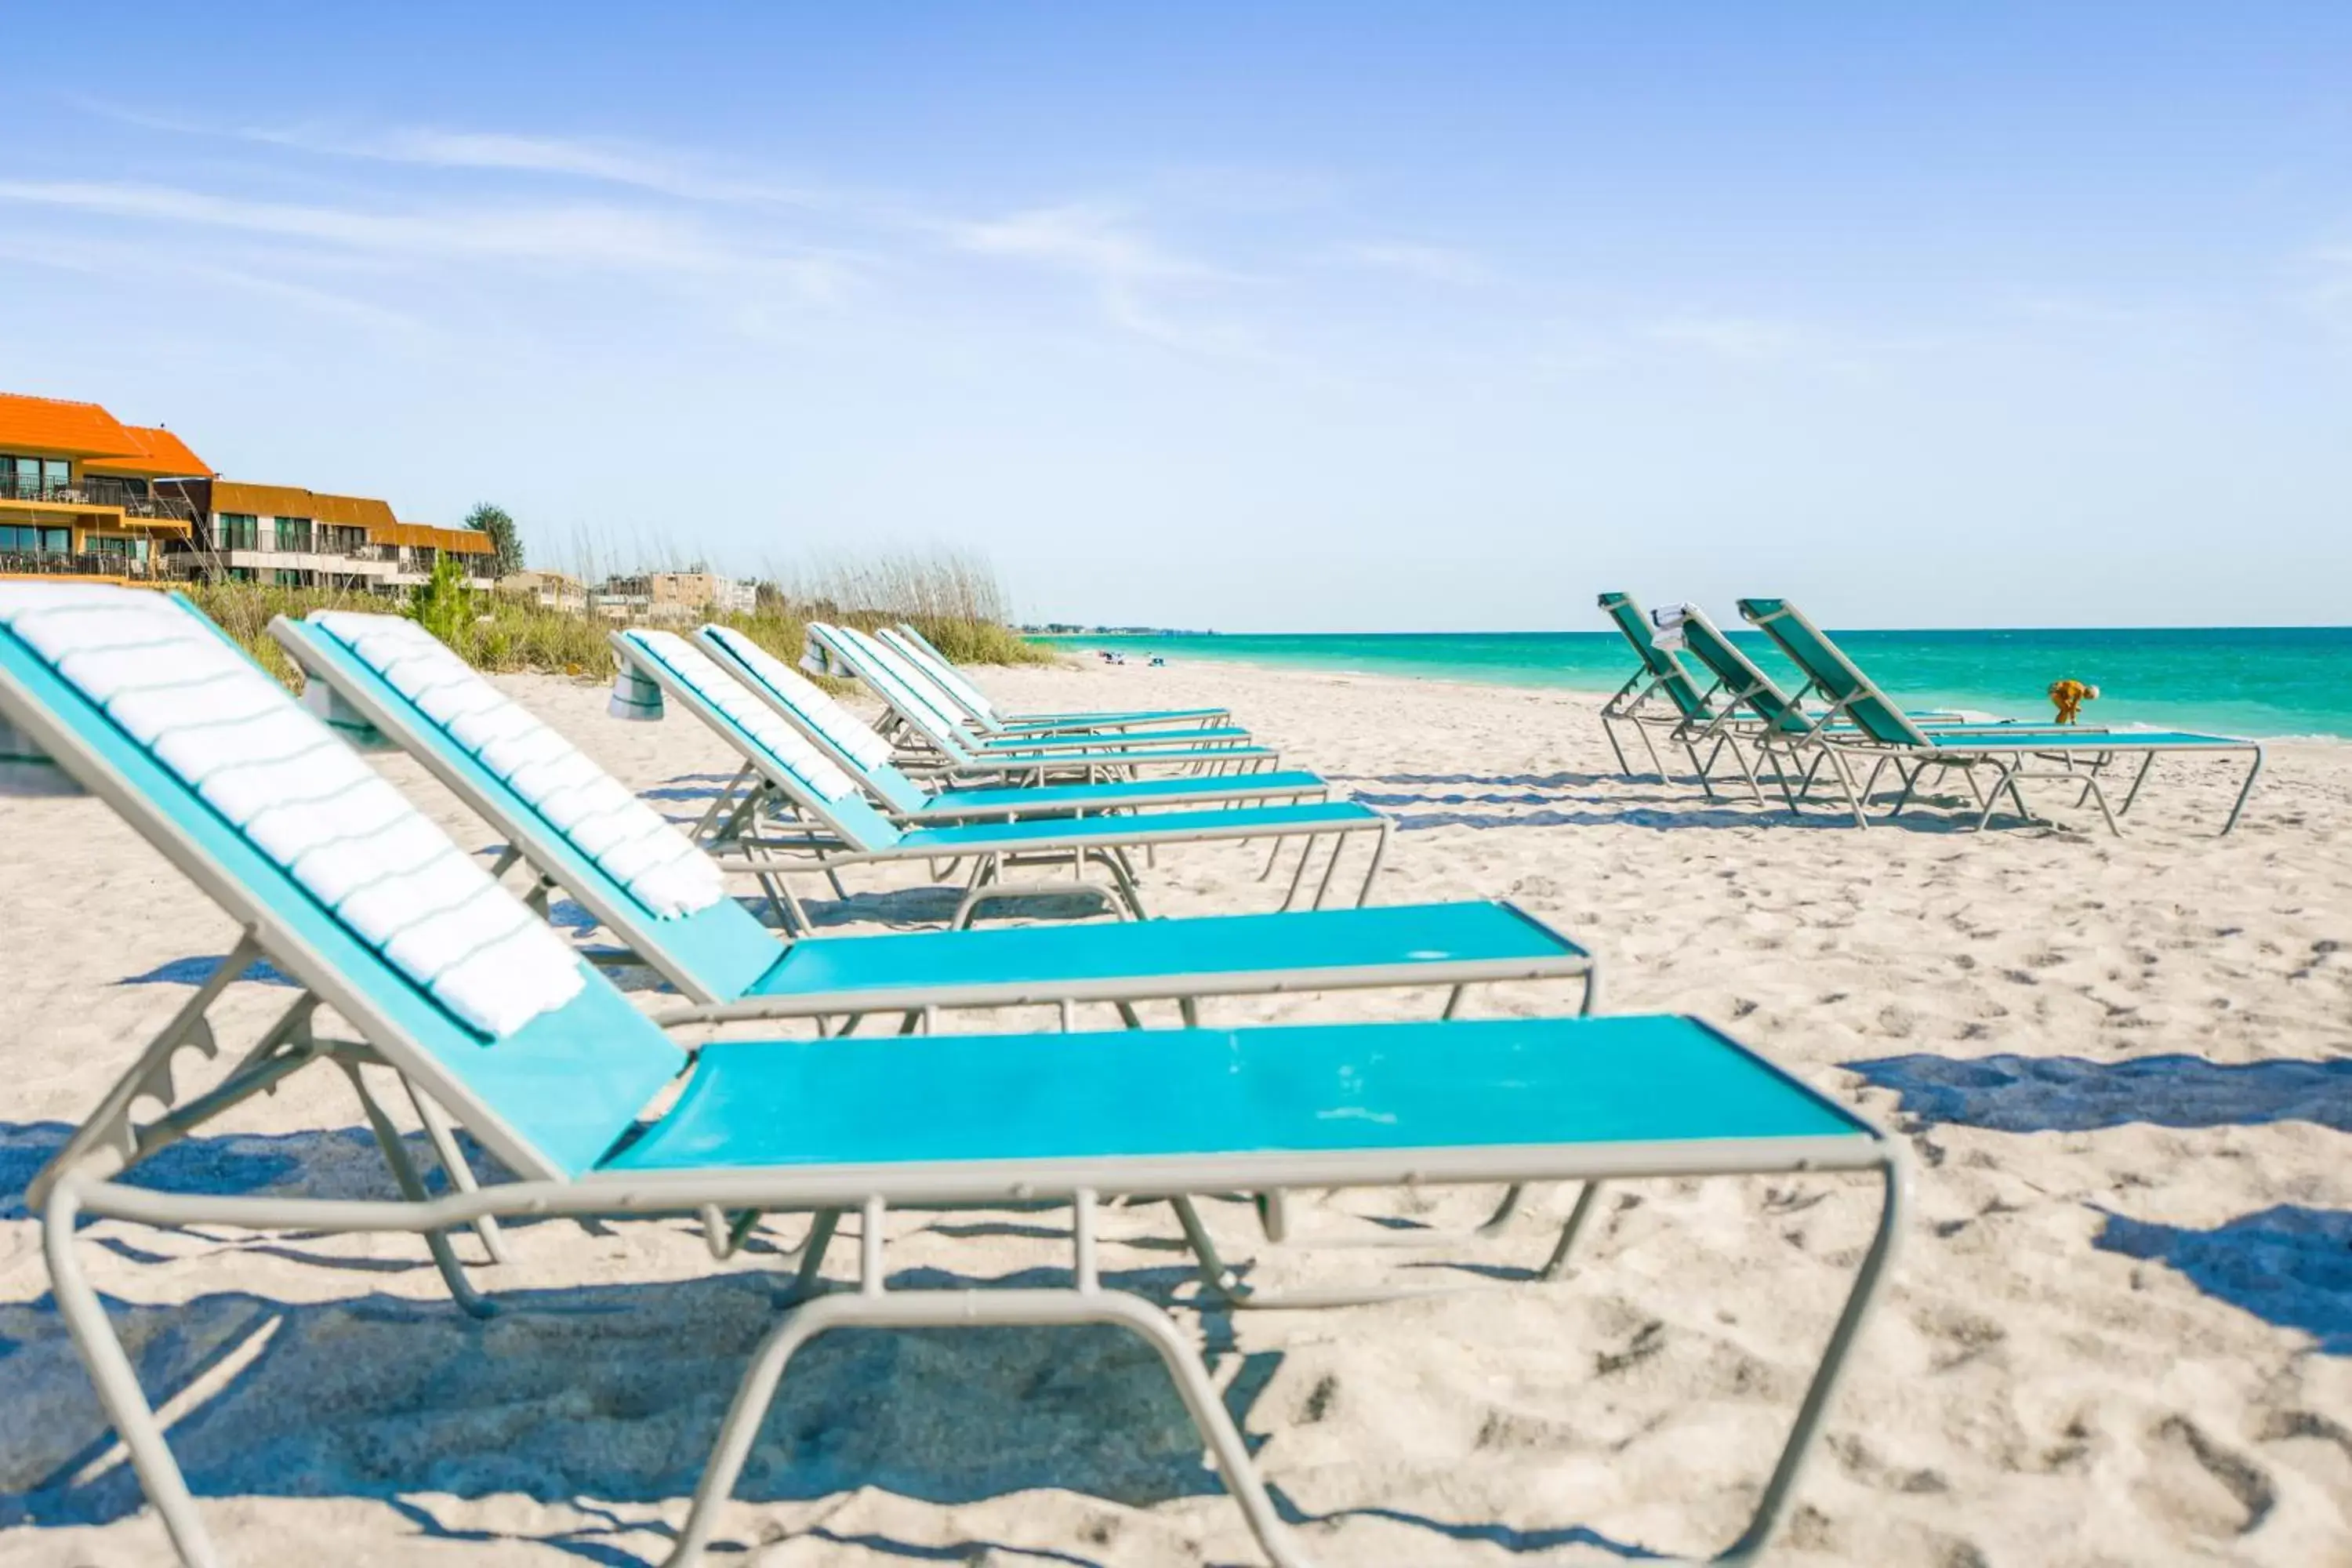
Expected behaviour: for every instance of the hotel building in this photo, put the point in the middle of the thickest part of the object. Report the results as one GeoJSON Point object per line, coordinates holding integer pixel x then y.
{"type": "Point", "coordinates": [84, 496]}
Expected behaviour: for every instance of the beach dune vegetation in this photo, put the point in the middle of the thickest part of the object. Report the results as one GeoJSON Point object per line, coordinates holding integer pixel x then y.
{"type": "Point", "coordinates": [953, 600]}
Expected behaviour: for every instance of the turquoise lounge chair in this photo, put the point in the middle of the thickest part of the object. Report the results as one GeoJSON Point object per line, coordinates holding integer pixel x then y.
{"type": "Point", "coordinates": [891, 650]}
{"type": "Point", "coordinates": [931, 718]}
{"type": "Point", "coordinates": [975, 705]}
{"type": "Point", "coordinates": [804, 815]}
{"type": "Point", "coordinates": [729, 967]}
{"type": "Point", "coordinates": [1885, 735]}
{"type": "Point", "coordinates": [857, 750]}
{"type": "Point", "coordinates": [861, 1124]}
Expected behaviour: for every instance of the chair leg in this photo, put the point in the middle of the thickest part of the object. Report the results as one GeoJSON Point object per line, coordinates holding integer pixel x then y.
{"type": "Point", "coordinates": [387, 1138]}
{"type": "Point", "coordinates": [1298, 876]}
{"type": "Point", "coordinates": [126, 1406]}
{"type": "Point", "coordinates": [1609, 729]}
{"type": "Point", "coordinates": [1330, 869]}
{"type": "Point", "coordinates": [1700, 768]}
{"type": "Point", "coordinates": [1747, 769]}
{"type": "Point", "coordinates": [1845, 779]}
{"type": "Point", "coordinates": [453, 1163]}
{"type": "Point", "coordinates": [821, 1226]}
{"type": "Point", "coordinates": [1642, 731]}
{"type": "Point", "coordinates": [1372, 867]}
{"type": "Point", "coordinates": [2138, 779]}
{"type": "Point", "coordinates": [1556, 1264]}
{"type": "Point", "coordinates": [1774, 1498]}
{"type": "Point", "coordinates": [2244, 791]}
{"type": "Point", "coordinates": [939, 1310]}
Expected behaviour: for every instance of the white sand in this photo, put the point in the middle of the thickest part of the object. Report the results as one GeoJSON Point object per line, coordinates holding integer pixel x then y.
{"type": "Point", "coordinates": [2120, 1332]}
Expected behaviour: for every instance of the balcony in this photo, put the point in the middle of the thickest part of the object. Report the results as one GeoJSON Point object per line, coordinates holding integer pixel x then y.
{"type": "Point", "coordinates": [87, 564]}
{"type": "Point", "coordinates": [359, 563]}
{"type": "Point", "coordinates": [132, 498]}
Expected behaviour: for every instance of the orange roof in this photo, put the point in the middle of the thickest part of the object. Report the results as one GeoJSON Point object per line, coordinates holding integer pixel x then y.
{"type": "Point", "coordinates": [53, 425]}
{"type": "Point", "coordinates": [288, 500]}
{"type": "Point", "coordinates": [160, 455]}
{"type": "Point", "coordinates": [456, 541]}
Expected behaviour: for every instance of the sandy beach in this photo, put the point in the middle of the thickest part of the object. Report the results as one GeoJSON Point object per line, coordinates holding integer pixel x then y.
{"type": "Point", "coordinates": [2119, 1331]}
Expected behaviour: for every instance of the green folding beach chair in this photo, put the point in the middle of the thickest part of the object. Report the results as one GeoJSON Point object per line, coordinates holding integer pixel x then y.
{"type": "Point", "coordinates": [1685, 714]}
{"type": "Point", "coordinates": [452, 984]}
{"type": "Point", "coordinates": [390, 678]}
{"type": "Point", "coordinates": [855, 747]}
{"type": "Point", "coordinates": [805, 816]}
{"type": "Point", "coordinates": [919, 710]}
{"type": "Point", "coordinates": [1747, 702]}
{"type": "Point", "coordinates": [974, 705]}
{"type": "Point", "coordinates": [1884, 735]}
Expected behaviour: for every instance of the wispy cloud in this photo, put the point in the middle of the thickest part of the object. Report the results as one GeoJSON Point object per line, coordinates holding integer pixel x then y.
{"type": "Point", "coordinates": [603, 160]}
{"type": "Point", "coordinates": [1094, 240]}
{"type": "Point", "coordinates": [1435, 263]}
{"type": "Point", "coordinates": [571, 236]}
{"type": "Point", "coordinates": [645, 221]}
{"type": "Point", "coordinates": [148, 262]}
{"type": "Point", "coordinates": [1129, 271]}
{"type": "Point", "coordinates": [1749, 338]}
{"type": "Point", "coordinates": [610, 163]}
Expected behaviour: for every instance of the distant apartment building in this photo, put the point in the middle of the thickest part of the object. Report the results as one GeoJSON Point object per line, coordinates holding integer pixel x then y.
{"type": "Point", "coordinates": [84, 495]}
{"type": "Point", "coordinates": [547, 590]}
{"type": "Point", "coordinates": [674, 596]}
{"type": "Point", "coordinates": [307, 538]}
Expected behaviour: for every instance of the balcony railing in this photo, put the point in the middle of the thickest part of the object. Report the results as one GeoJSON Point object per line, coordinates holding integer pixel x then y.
{"type": "Point", "coordinates": [88, 564]}
{"type": "Point", "coordinates": [93, 489]}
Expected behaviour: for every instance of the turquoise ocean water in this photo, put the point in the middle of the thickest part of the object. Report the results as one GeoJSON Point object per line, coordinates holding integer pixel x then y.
{"type": "Point", "coordinates": [2259, 681]}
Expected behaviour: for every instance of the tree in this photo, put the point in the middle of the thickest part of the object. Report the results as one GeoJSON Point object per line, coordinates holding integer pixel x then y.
{"type": "Point", "coordinates": [442, 604]}
{"type": "Point", "coordinates": [495, 521]}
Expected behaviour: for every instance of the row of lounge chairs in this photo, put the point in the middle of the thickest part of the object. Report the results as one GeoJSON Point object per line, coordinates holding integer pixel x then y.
{"type": "Point", "coordinates": [413, 963]}
{"type": "Point", "coordinates": [1840, 725]}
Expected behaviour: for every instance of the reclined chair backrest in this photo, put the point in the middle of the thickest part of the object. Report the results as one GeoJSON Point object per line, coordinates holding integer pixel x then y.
{"type": "Point", "coordinates": [806, 775]}
{"type": "Point", "coordinates": [82, 671]}
{"type": "Point", "coordinates": [944, 675]}
{"type": "Point", "coordinates": [1838, 678]}
{"type": "Point", "coordinates": [712, 954]}
{"type": "Point", "coordinates": [1665, 668]}
{"type": "Point", "coordinates": [888, 676]}
{"type": "Point", "coordinates": [1740, 676]}
{"type": "Point", "coordinates": [840, 734]}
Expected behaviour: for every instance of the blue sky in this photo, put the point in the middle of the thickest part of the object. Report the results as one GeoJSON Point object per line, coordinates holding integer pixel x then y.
{"type": "Point", "coordinates": [1318, 317]}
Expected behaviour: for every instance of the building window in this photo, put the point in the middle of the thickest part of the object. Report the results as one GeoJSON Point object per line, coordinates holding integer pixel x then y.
{"type": "Point", "coordinates": [28, 540]}
{"type": "Point", "coordinates": [20, 478]}
{"type": "Point", "coordinates": [237, 531]}
{"type": "Point", "coordinates": [294, 534]}
{"type": "Point", "coordinates": [287, 579]}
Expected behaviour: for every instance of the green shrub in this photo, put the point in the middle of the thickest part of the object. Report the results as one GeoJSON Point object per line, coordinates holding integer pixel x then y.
{"type": "Point", "coordinates": [443, 605]}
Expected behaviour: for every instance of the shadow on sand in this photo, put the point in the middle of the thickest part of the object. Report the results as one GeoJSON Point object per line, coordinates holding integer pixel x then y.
{"type": "Point", "coordinates": [2072, 1094]}
{"type": "Point", "coordinates": [2289, 1265]}
{"type": "Point", "coordinates": [594, 1396]}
